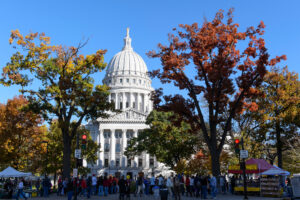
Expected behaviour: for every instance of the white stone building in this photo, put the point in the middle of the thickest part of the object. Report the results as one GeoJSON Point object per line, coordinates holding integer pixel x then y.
{"type": "Point", "coordinates": [130, 89]}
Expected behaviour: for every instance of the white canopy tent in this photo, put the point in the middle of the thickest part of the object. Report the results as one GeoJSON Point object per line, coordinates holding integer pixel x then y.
{"type": "Point", "coordinates": [276, 171]}
{"type": "Point", "coordinates": [11, 172]}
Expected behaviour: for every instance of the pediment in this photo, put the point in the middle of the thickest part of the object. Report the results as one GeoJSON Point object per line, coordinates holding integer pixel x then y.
{"type": "Point", "coordinates": [129, 115]}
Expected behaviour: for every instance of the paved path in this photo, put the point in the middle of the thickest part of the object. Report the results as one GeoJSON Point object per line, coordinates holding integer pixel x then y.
{"type": "Point", "coordinates": [116, 197]}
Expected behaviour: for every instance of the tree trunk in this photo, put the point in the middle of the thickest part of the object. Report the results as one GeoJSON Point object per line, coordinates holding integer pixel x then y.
{"type": "Point", "coordinates": [278, 145]}
{"type": "Point", "coordinates": [215, 162]}
{"type": "Point", "coordinates": [66, 155]}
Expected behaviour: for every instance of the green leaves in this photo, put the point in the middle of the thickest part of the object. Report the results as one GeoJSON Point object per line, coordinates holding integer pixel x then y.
{"type": "Point", "coordinates": [168, 142]}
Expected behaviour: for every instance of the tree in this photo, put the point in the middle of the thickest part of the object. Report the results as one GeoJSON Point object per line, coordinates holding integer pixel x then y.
{"type": "Point", "coordinates": [167, 138]}
{"type": "Point", "coordinates": [279, 110]}
{"type": "Point", "coordinates": [66, 87]}
{"type": "Point", "coordinates": [55, 150]}
{"type": "Point", "coordinates": [21, 135]}
{"type": "Point", "coordinates": [205, 62]}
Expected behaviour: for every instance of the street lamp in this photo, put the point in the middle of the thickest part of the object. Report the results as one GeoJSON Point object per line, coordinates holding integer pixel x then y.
{"type": "Point", "coordinates": [46, 142]}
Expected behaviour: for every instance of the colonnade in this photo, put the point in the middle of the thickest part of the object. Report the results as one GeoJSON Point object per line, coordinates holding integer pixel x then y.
{"type": "Point", "coordinates": [139, 101]}
{"type": "Point", "coordinates": [112, 137]}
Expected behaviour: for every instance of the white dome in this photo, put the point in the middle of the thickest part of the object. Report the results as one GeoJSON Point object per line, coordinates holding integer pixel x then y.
{"type": "Point", "coordinates": [127, 62]}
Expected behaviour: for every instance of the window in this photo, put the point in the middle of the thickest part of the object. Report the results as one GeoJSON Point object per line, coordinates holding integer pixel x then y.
{"type": "Point", "coordinates": [121, 105]}
{"type": "Point", "coordinates": [140, 162]}
{"type": "Point", "coordinates": [106, 134]}
{"type": "Point", "coordinates": [133, 80]}
{"type": "Point", "coordinates": [141, 107]}
{"type": "Point", "coordinates": [118, 134]}
{"type": "Point", "coordinates": [106, 147]}
{"type": "Point", "coordinates": [118, 162]}
{"type": "Point", "coordinates": [105, 162]}
{"type": "Point", "coordinates": [151, 162]}
{"type": "Point", "coordinates": [121, 80]}
{"type": "Point", "coordinates": [129, 134]}
{"type": "Point", "coordinates": [127, 115]}
{"type": "Point", "coordinates": [133, 104]}
{"type": "Point", "coordinates": [118, 148]}
{"type": "Point", "coordinates": [129, 163]}
{"type": "Point", "coordinates": [127, 80]}
{"type": "Point", "coordinates": [127, 104]}
{"type": "Point", "coordinates": [140, 81]}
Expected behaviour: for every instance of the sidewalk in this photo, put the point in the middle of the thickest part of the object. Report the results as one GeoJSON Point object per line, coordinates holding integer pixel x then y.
{"type": "Point", "coordinates": [145, 197]}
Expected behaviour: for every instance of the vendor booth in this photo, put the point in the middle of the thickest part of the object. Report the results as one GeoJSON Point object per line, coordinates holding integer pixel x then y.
{"type": "Point", "coordinates": [267, 181]}
{"type": "Point", "coordinates": [10, 172]}
{"type": "Point", "coordinates": [13, 173]}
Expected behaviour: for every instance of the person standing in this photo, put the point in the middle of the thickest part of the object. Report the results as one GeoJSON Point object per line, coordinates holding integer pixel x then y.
{"type": "Point", "coordinates": [122, 188]}
{"type": "Point", "coordinates": [70, 188]}
{"type": "Point", "coordinates": [152, 183]}
{"type": "Point", "coordinates": [101, 189]}
{"type": "Point", "coordinates": [89, 187]}
{"type": "Point", "coordinates": [94, 184]}
{"type": "Point", "coordinates": [83, 187]}
{"type": "Point", "coordinates": [46, 186]}
{"type": "Point", "coordinates": [176, 187]}
{"type": "Point", "coordinates": [204, 182]}
{"type": "Point", "coordinates": [213, 186]}
{"type": "Point", "coordinates": [105, 185]}
{"type": "Point", "coordinates": [169, 185]}
{"type": "Point", "coordinates": [20, 190]}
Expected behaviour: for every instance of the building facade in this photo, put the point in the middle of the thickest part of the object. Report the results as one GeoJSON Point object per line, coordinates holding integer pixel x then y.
{"type": "Point", "coordinates": [130, 88]}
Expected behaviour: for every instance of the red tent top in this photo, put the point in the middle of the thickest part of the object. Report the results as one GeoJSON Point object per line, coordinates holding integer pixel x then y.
{"type": "Point", "coordinates": [261, 166]}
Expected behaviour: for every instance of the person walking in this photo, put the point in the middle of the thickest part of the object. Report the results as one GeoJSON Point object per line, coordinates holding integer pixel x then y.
{"type": "Point", "coordinates": [20, 189]}
{"type": "Point", "coordinates": [152, 183]}
{"type": "Point", "coordinates": [169, 185]}
{"type": "Point", "coordinates": [94, 185]}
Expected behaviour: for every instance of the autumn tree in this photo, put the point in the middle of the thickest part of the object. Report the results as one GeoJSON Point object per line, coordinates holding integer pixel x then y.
{"type": "Point", "coordinates": [279, 110]}
{"type": "Point", "coordinates": [168, 138]}
{"type": "Point", "coordinates": [21, 135]}
{"type": "Point", "coordinates": [218, 77]}
{"type": "Point", "coordinates": [58, 83]}
{"type": "Point", "coordinates": [53, 159]}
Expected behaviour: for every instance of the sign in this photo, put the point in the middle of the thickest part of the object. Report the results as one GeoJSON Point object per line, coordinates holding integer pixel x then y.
{"type": "Point", "coordinates": [243, 153]}
{"type": "Point", "coordinates": [75, 173]}
{"type": "Point", "coordinates": [248, 167]}
{"type": "Point", "coordinates": [77, 153]}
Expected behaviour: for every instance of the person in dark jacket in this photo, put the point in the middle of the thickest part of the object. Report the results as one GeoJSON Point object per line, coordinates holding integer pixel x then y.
{"type": "Point", "coordinates": [163, 192]}
{"type": "Point", "coordinates": [89, 186]}
{"type": "Point", "coordinates": [122, 188]}
{"type": "Point", "coordinates": [70, 188]}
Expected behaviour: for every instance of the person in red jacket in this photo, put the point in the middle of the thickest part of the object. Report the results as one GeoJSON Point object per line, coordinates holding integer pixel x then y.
{"type": "Point", "coordinates": [83, 186]}
{"type": "Point", "coordinates": [187, 185]}
{"type": "Point", "coordinates": [105, 185]}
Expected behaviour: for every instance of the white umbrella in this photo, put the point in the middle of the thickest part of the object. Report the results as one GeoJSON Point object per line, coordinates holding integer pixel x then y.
{"type": "Point", "coordinates": [11, 172]}
{"type": "Point", "coordinates": [276, 171]}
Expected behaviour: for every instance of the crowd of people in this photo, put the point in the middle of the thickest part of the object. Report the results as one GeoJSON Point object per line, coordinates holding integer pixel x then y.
{"type": "Point", "coordinates": [174, 186]}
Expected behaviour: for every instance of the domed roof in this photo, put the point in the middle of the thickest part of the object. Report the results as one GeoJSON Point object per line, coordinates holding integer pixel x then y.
{"type": "Point", "coordinates": [127, 61]}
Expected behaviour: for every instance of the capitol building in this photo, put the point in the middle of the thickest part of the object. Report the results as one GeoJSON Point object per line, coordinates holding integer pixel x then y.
{"type": "Point", "coordinates": [130, 88]}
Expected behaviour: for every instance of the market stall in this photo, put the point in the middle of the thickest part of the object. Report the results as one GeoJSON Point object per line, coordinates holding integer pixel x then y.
{"type": "Point", "coordinates": [253, 166]}
{"type": "Point", "coordinates": [10, 172]}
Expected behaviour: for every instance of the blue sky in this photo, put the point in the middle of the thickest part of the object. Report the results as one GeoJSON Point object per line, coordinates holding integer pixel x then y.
{"type": "Point", "coordinates": [104, 23]}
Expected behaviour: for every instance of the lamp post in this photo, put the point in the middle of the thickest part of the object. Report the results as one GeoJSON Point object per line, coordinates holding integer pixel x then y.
{"type": "Point", "coordinates": [46, 171]}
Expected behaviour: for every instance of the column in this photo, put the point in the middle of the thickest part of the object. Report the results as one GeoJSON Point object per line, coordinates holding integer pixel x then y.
{"type": "Point", "coordinates": [109, 97]}
{"type": "Point", "coordinates": [136, 159]}
{"type": "Point", "coordinates": [130, 100]}
{"type": "Point", "coordinates": [147, 161]}
{"type": "Point", "coordinates": [116, 100]}
{"type": "Point", "coordinates": [124, 145]}
{"type": "Point", "coordinates": [124, 101]}
{"type": "Point", "coordinates": [101, 142]}
{"type": "Point", "coordinates": [112, 148]}
{"type": "Point", "coordinates": [144, 103]}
